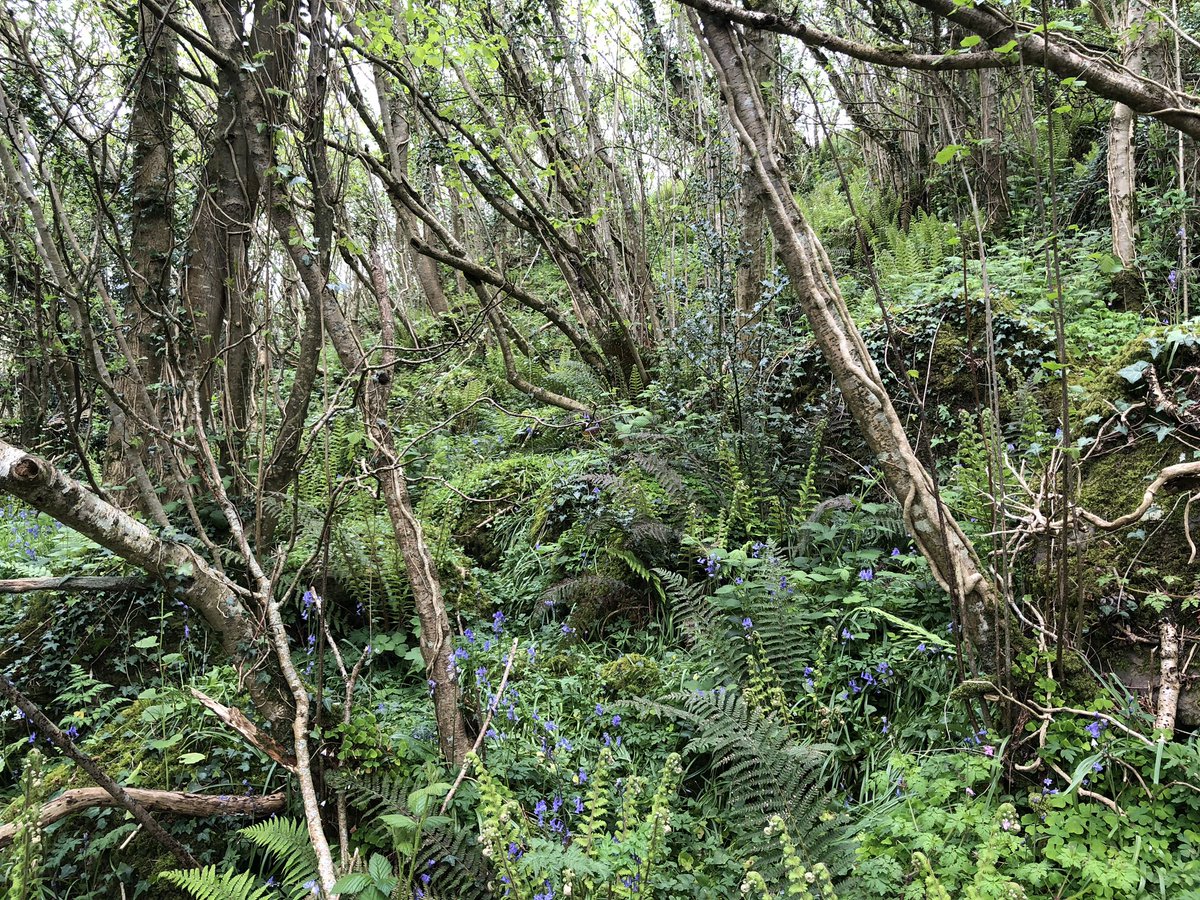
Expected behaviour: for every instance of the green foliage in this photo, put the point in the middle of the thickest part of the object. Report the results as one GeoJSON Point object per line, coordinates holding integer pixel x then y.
{"type": "Point", "coordinates": [208, 884]}
{"type": "Point", "coordinates": [759, 771]}
{"type": "Point", "coordinates": [22, 859]}
{"type": "Point", "coordinates": [616, 852]}
{"type": "Point", "coordinates": [284, 840]}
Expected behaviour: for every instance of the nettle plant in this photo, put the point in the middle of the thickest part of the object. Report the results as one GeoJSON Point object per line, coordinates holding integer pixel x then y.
{"type": "Point", "coordinates": [608, 843]}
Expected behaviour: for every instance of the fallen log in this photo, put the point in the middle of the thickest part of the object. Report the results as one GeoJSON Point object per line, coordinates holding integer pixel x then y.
{"type": "Point", "coordinates": [177, 803]}
{"type": "Point", "coordinates": [81, 583]}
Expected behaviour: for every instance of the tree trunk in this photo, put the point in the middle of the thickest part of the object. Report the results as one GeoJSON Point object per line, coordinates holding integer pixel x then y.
{"type": "Point", "coordinates": [152, 240]}
{"type": "Point", "coordinates": [39, 484]}
{"type": "Point", "coordinates": [937, 535]}
{"type": "Point", "coordinates": [1169, 678]}
{"type": "Point", "coordinates": [1122, 167]}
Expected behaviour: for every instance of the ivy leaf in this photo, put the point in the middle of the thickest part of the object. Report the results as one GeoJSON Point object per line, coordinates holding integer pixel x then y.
{"type": "Point", "coordinates": [1133, 372]}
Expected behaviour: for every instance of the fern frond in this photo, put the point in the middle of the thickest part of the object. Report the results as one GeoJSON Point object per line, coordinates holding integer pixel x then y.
{"type": "Point", "coordinates": [207, 884]}
{"type": "Point", "coordinates": [287, 840]}
{"type": "Point", "coordinates": [761, 772]}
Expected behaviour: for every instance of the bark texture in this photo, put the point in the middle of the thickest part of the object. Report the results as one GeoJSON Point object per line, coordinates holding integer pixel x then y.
{"type": "Point", "coordinates": [1122, 167]}
{"type": "Point", "coordinates": [175, 803]}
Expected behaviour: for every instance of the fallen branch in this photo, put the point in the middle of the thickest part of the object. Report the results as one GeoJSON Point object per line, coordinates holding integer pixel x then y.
{"type": "Point", "coordinates": [255, 736]}
{"type": "Point", "coordinates": [81, 583]}
{"type": "Point", "coordinates": [177, 803]}
{"type": "Point", "coordinates": [118, 794]}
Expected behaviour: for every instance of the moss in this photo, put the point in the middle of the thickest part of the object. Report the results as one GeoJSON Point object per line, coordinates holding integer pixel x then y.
{"type": "Point", "coordinates": [631, 675]}
{"type": "Point", "coordinates": [1151, 555]}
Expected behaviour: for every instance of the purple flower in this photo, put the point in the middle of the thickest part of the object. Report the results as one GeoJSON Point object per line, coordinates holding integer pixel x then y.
{"type": "Point", "coordinates": [747, 623]}
{"type": "Point", "coordinates": [1094, 728]}
{"type": "Point", "coordinates": [865, 575]}
{"type": "Point", "coordinates": [1172, 278]}
{"type": "Point", "coordinates": [497, 621]}
{"type": "Point", "coordinates": [616, 720]}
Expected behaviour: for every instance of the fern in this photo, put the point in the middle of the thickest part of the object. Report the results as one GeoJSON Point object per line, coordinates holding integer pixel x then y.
{"type": "Point", "coordinates": [207, 884]}
{"type": "Point", "coordinates": [285, 839]}
{"type": "Point", "coordinates": [761, 772]}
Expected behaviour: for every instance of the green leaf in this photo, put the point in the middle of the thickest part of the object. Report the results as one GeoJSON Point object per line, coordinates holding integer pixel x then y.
{"type": "Point", "coordinates": [352, 883]}
{"type": "Point", "coordinates": [970, 41]}
{"type": "Point", "coordinates": [379, 867]}
{"type": "Point", "coordinates": [191, 759]}
{"type": "Point", "coordinates": [146, 643]}
{"type": "Point", "coordinates": [948, 153]}
{"type": "Point", "coordinates": [1134, 371]}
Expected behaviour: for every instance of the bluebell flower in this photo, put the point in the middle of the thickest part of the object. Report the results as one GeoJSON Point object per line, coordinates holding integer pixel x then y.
{"type": "Point", "coordinates": [747, 623]}
{"type": "Point", "coordinates": [865, 575]}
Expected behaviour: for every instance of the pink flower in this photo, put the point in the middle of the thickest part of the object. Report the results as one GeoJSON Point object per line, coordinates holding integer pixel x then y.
{"type": "Point", "coordinates": [989, 750]}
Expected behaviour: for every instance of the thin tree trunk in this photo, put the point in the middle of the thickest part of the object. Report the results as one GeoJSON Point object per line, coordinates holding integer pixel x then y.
{"type": "Point", "coordinates": [1122, 167]}
{"type": "Point", "coordinates": [937, 535]}
{"type": "Point", "coordinates": [54, 735]}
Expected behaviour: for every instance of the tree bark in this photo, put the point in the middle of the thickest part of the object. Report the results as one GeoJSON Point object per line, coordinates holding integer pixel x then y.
{"type": "Point", "coordinates": [80, 583]}
{"type": "Point", "coordinates": [1122, 167]}
{"type": "Point", "coordinates": [176, 803]}
{"type": "Point", "coordinates": [1169, 677]}
{"type": "Point", "coordinates": [939, 538]}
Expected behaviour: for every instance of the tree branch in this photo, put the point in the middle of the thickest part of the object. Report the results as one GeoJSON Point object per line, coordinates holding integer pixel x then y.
{"type": "Point", "coordinates": [178, 803]}
{"type": "Point", "coordinates": [814, 37]}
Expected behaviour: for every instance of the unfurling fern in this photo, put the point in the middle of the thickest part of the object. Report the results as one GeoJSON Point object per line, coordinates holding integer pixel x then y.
{"type": "Point", "coordinates": [603, 858]}
{"type": "Point", "coordinates": [802, 883]}
{"type": "Point", "coordinates": [763, 689]}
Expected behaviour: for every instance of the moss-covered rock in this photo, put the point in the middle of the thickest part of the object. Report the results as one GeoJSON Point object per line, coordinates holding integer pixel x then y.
{"type": "Point", "coordinates": [631, 675]}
